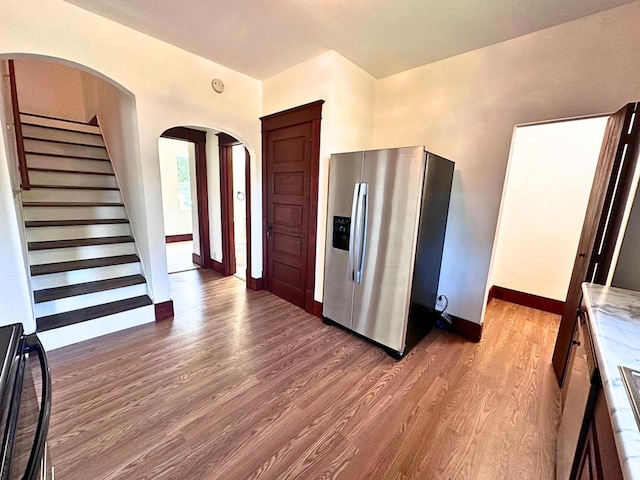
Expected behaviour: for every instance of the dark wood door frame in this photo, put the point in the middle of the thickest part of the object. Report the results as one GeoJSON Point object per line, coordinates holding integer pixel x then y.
{"type": "Point", "coordinates": [616, 197]}
{"type": "Point", "coordinates": [199, 138]}
{"type": "Point", "coordinates": [251, 282]}
{"type": "Point", "coordinates": [311, 112]}
{"type": "Point", "coordinates": [609, 193]}
{"type": "Point", "coordinates": [225, 146]}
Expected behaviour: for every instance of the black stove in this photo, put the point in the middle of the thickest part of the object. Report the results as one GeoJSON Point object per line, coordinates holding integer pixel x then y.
{"type": "Point", "coordinates": [24, 408]}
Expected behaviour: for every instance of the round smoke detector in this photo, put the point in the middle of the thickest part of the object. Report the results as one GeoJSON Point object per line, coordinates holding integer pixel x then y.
{"type": "Point", "coordinates": [217, 85]}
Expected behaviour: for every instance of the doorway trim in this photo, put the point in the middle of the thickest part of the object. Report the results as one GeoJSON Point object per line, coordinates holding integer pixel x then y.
{"type": "Point", "coordinates": [226, 143]}
{"type": "Point", "coordinates": [619, 147]}
{"type": "Point", "coordinates": [199, 138]}
{"type": "Point", "coordinates": [252, 283]}
{"type": "Point", "coordinates": [310, 112]}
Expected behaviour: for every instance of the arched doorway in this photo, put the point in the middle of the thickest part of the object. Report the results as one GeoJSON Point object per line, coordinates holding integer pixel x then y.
{"type": "Point", "coordinates": [78, 154]}
{"type": "Point", "coordinates": [220, 199]}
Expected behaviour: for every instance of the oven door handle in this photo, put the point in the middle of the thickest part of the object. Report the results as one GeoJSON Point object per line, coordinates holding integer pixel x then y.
{"type": "Point", "coordinates": [34, 345]}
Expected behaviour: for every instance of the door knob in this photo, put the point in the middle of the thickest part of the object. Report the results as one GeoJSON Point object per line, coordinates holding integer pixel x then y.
{"type": "Point", "coordinates": [269, 230]}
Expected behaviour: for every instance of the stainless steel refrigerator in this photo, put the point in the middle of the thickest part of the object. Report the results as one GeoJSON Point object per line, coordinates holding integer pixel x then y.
{"type": "Point", "coordinates": [386, 221]}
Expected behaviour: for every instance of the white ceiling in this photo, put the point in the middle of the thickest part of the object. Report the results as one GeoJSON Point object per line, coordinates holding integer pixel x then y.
{"type": "Point", "coordinates": [261, 38]}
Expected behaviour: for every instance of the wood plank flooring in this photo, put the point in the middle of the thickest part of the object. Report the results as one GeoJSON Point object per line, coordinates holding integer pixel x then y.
{"type": "Point", "coordinates": [242, 385]}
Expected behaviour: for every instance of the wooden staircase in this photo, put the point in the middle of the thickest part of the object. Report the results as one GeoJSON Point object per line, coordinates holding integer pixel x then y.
{"type": "Point", "coordinates": [82, 255]}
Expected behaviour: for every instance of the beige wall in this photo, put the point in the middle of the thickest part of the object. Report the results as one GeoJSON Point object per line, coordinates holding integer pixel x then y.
{"type": "Point", "coordinates": [170, 87]}
{"type": "Point", "coordinates": [48, 88]}
{"type": "Point", "coordinates": [465, 108]}
{"type": "Point", "coordinates": [547, 188]}
{"type": "Point", "coordinates": [347, 118]}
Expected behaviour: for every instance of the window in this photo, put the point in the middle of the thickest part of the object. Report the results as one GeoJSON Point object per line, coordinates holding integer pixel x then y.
{"type": "Point", "coordinates": [184, 182]}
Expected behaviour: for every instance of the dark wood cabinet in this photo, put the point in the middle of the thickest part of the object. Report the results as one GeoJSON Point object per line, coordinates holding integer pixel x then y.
{"type": "Point", "coordinates": [587, 469]}
{"type": "Point", "coordinates": [596, 456]}
{"type": "Point", "coordinates": [599, 456]}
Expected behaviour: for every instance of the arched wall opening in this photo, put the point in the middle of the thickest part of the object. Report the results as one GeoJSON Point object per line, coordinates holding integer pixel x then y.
{"type": "Point", "coordinates": [56, 87]}
{"type": "Point", "coordinates": [220, 193]}
{"type": "Point", "coordinates": [144, 111]}
{"type": "Point", "coordinates": [47, 88]}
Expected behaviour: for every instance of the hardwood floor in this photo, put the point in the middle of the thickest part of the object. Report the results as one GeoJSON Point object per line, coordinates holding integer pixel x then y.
{"type": "Point", "coordinates": [242, 385]}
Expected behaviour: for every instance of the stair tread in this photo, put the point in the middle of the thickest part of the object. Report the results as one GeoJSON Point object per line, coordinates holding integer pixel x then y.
{"type": "Point", "coordinates": [56, 293]}
{"type": "Point", "coordinates": [59, 170]}
{"type": "Point", "coordinates": [57, 320]}
{"type": "Point", "coordinates": [59, 267]}
{"type": "Point", "coordinates": [49, 127]}
{"type": "Point", "coordinates": [64, 142]}
{"type": "Point", "coordinates": [72, 187]}
{"type": "Point", "coordinates": [72, 223]}
{"type": "Point", "coordinates": [60, 155]}
{"type": "Point", "coordinates": [38, 115]}
{"type": "Point", "coordinates": [61, 123]}
{"type": "Point", "coordinates": [78, 242]}
{"type": "Point", "coordinates": [72, 204]}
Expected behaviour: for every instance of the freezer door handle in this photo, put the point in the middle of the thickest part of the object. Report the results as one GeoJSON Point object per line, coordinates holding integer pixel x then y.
{"type": "Point", "coordinates": [352, 239]}
{"type": "Point", "coordinates": [361, 231]}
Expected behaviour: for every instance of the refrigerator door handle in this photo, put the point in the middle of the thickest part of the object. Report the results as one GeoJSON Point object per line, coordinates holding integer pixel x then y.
{"type": "Point", "coordinates": [352, 235]}
{"type": "Point", "coordinates": [361, 230]}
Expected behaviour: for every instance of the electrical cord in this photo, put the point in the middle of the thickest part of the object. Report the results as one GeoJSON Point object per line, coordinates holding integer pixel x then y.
{"type": "Point", "coordinates": [446, 304]}
{"type": "Point", "coordinates": [443, 322]}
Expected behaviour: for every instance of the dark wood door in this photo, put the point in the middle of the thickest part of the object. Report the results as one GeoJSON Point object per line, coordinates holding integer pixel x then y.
{"type": "Point", "coordinates": [609, 192]}
{"type": "Point", "coordinates": [288, 186]}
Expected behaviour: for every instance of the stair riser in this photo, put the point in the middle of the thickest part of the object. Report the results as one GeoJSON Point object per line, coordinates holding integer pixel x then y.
{"type": "Point", "coordinates": [89, 300]}
{"type": "Point", "coordinates": [62, 136]}
{"type": "Point", "coordinates": [63, 195]}
{"type": "Point", "coordinates": [49, 122]}
{"type": "Point", "coordinates": [40, 257]}
{"type": "Point", "coordinates": [83, 165]}
{"type": "Point", "coordinates": [43, 234]}
{"type": "Point", "coordinates": [72, 213]}
{"type": "Point", "coordinates": [37, 146]}
{"type": "Point", "coordinates": [40, 282]}
{"type": "Point", "coordinates": [73, 179]}
{"type": "Point", "coordinates": [61, 337]}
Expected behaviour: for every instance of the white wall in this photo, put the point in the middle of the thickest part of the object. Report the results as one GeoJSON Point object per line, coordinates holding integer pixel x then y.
{"type": "Point", "coordinates": [239, 204]}
{"type": "Point", "coordinates": [176, 221]}
{"type": "Point", "coordinates": [215, 206]}
{"type": "Point", "coordinates": [116, 112]}
{"type": "Point", "coordinates": [16, 303]}
{"type": "Point", "coordinates": [347, 118]}
{"type": "Point", "coordinates": [547, 188]}
{"type": "Point", "coordinates": [51, 89]}
{"type": "Point", "coordinates": [465, 108]}
{"type": "Point", "coordinates": [170, 86]}
{"type": "Point", "coordinates": [195, 223]}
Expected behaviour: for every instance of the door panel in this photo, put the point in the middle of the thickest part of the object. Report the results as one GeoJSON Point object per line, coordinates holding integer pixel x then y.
{"type": "Point", "coordinates": [344, 172]}
{"type": "Point", "coordinates": [381, 301]}
{"type": "Point", "coordinates": [288, 169]}
{"type": "Point", "coordinates": [613, 150]}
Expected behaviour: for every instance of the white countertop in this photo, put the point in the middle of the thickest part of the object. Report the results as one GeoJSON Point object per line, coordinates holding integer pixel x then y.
{"type": "Point", "coordinates": [615, 325]}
